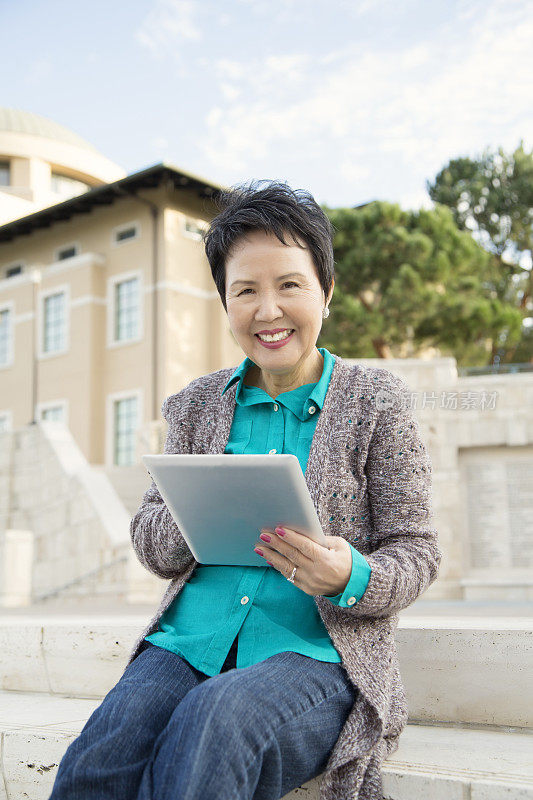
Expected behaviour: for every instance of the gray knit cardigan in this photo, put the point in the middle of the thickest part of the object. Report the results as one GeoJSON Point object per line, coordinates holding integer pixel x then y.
{"type": "Point", "coordinates": [369, 475]}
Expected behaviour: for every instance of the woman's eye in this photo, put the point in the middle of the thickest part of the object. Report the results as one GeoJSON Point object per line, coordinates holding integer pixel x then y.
{"type": "Point", "coordinates": [287, 283]}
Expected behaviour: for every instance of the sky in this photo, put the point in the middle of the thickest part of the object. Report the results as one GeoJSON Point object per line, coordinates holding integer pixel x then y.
{"type": "Point", "coordinates": [352, 100]}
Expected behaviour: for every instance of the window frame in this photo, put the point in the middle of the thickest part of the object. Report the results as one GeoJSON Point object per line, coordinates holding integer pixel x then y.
{"type": "Point", "coordinates": [124, 226]}
{"type": "Point", "coordinates": [9, 265]}
{"type": "Point", "coordinates": [47, 404]}
{"type": "Point", "coordinates": [63, 288]}
{"type": "Point", "coordinates": [112, 281]}
{"type": "Point", "coordinates": [57, 260]}
{"type": "Point", "coordinates": [9, 305]}
{"type": "Point", "coordinates": [111, 399]}
{"type": "Point", "coordinates": [7, 162]}
{"type": "Point", "coordinates": [185, 218]}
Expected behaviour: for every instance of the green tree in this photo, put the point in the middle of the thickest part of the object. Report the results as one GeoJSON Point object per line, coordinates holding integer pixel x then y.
{"type": "Point", "coordinates": [406, 280]}
{"type": "Point", "coordinates": [492, 197]}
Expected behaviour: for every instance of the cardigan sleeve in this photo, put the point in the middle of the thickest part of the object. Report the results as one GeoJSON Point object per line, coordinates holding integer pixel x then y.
{"type": "Point", "coordinates": [405, 558]}
{"type": "Point", "coordinates": [157, 540]}
{"type": "Point", "coordinates": [357, 582]}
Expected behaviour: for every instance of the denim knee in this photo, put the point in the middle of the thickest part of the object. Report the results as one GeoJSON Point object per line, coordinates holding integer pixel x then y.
{"type": "Point", "coordinates": [146, 694]}
{"type": "Point", "coordinates": [228, 708]}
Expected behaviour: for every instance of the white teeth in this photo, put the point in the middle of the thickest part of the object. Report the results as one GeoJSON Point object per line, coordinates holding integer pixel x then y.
{"type": "Point", "coordinates": [276, 337]}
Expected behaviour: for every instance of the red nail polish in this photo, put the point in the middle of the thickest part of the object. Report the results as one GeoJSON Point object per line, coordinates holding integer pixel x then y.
{"type": "Point", "coordinates": [258, 551]}
{"type": "Point", "coordinates": [280, 531]}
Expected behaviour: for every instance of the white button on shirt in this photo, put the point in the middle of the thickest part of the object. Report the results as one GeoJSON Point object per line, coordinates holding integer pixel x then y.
{"type": "Point", "coordinates": [351, 601]}
{"type": "Point", "coordinates": [244, 600]}
{"type": "Point", "coordinates": [312, 409]}
{"type": "Point", "coordinates": [276, 406]}
{"type": "Point", "coordinates": [271, 452]}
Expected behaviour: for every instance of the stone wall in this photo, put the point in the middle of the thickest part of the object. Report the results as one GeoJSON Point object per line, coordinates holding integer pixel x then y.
{"type": "Point", "coordinates": [63, 530]}
{"type": "Point", "coordinates": [479, 432]}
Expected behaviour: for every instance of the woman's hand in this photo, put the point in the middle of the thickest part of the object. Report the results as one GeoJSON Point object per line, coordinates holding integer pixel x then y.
{"type": "Point", "coordinates": [321, 570]}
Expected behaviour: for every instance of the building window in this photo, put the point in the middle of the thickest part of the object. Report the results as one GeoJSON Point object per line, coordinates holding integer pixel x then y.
{"type": "Point", "coordinates": [53, 414]}
{"type": "Point", "coordinates": [66, 186]}
{"type": "Point", "coordinates": [5, 178]}
{"type": "Point", "coordinates": [53, 411]}
{"type": "Point", "coordinates": [194, 227]}
{"type": "Point", "coordinates": [16, 269]}
{"type": "Point", "coordinates": [54, 322]}
{"type": "Point", "coordinates": [126, 307]}
{"type": "Point", "coordinates": [5, 336]}
{"type": "Point", "coordinates": [126, 233]}
{"type": "Point", "coordinates": [66, 252]}
{"type": "Point", "coordinates": [125, 421]}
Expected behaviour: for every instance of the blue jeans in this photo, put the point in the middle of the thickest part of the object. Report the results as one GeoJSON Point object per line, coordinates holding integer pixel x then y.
{"type": "Point", "coordinates": [167, 731]}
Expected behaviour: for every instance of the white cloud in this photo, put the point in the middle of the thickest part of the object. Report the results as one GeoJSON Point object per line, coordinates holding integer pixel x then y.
{"type": "Point", "coordinates": [353, 170]}
{"type": "Point", "coordinates": [168, 23]}
{"type": "Point", "coordinates": [361, 7]}
{"type": "Point", "coordinates": [415, 200]}
{"type": "Point", "coordinates": [283, 72]}
{"type": "Point", "coordinates": [229, 91]}
{"type": "Point", "coordinates": [232, 70]}
{"type": "Point", "coordinates": [213, 117]}
{"type": "Point", "coordinates": [415, 56]}
{"type": "Point", "coordinates": [281, 8]}
{"type": "Point", "coordinates": [417, 107]}
{"type": "Point", "coordinates": [290, 67]}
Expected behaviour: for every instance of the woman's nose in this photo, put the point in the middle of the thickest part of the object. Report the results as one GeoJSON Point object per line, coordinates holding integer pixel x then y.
{"type": "Point", "coordinates": [268, 309]}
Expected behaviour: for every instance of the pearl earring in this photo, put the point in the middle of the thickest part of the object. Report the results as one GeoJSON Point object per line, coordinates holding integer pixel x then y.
{"type": "Point", "coordinates": [325, 313]}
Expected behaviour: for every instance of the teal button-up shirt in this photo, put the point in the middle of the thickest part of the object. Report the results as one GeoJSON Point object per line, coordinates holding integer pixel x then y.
{"type": "Point", "coordinates": [259, 605]}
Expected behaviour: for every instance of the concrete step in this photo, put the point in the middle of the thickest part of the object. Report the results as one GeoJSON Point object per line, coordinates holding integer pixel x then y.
{"type": "Point", "coordinates": [433, 762]}
{"type": "Point", "coordinates": [455, 670]}
{"type": "Point", "coordinates": [91, 604]}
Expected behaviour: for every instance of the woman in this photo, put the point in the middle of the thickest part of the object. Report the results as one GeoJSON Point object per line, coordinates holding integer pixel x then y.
{"type": "Point", "coordinates": [249, 681]}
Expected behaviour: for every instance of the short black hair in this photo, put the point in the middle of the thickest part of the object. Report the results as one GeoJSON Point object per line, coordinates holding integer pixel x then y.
{"type": "Point", "coordinates": [273, 208]}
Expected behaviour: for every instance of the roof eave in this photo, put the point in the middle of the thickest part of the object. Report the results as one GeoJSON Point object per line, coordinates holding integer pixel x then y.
{"type": "Point", "coordinates": [106, 194]}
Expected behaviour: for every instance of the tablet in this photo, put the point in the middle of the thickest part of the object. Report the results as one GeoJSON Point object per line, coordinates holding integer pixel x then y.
{"type": "Point", "coordinates": [221, 502]}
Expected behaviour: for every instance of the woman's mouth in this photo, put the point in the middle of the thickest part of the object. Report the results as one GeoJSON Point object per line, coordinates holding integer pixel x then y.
{"type": "Point", "coordinates": [278, 340]}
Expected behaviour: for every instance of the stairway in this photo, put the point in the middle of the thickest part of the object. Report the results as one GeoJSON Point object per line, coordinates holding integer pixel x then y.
{"type": "Point", "coordinates": [468, 682]}
{"type": "Point", "coordinates": [130, 483]}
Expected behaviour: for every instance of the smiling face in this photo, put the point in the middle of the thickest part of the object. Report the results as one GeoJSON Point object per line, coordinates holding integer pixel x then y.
{"type": "Point", "coordinates": [261, 295]}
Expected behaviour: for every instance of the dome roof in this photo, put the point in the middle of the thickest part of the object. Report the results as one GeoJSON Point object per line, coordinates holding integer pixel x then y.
{"type": "Point", "coordinates": [16, 121]}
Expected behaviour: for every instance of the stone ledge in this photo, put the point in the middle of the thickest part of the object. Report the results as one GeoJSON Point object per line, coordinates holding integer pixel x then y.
{"type": "Point", "coordinates": [447, 664]}
{"type": "Point", "coordinates": [432, 761]}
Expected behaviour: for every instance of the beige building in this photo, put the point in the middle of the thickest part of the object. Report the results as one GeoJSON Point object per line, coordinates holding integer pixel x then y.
{"type": "Point", "coordinates": [107, 303]}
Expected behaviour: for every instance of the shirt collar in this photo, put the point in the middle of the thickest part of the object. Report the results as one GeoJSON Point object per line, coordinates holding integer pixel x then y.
{"type": "Point", "coordinates": [298, 400]}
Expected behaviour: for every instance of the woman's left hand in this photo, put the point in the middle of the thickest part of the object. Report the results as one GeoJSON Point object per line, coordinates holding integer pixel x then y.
{"type": "Point", "coordinates": [321, 570]}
